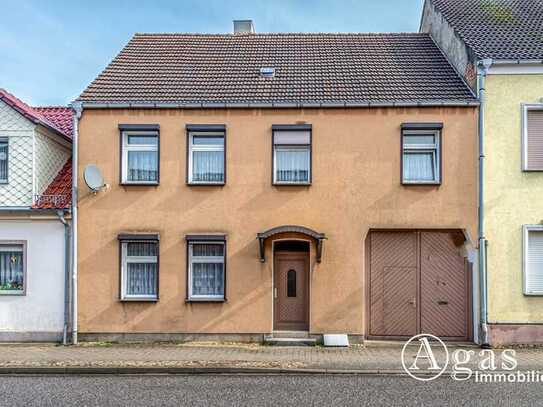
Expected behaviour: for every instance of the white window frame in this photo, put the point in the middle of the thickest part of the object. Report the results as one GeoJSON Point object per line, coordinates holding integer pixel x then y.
{"type": "Point", "coordinates": [525, 107]}
{"type": "Point", "coordinates": [284, 147]}
{"type": "Point", "coordinates": [5, 140]}
{"type": "Point", "coordinates": [125, 259]}
{"type": "Point", "coordinates": [138, 147]}
{"type": "Point", "coordinates": [202, 147]}
{"type": "Point", "coordinates": [206, 259]}
{"type": "Point", "coordinates": [23, 244]}
{"type": "Point", "coordinates": [423, 148]}
{"type": "Point", "coordinates": [526, 229]}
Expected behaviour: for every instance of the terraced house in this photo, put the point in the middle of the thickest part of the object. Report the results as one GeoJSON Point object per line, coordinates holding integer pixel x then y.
{"type": "Point", "coordinates": [497, 46]}
{"type": "Point", "coordinates": [35, 198]}
{"type": "Point", "coordinates": [264, 185]}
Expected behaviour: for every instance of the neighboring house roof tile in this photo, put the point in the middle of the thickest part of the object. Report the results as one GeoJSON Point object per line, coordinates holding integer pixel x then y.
{"type": "Point", "coordinates": [54, 118]}
{"type": "Point", "coordinates": [58, 195]}
{"type": "Point", "coordinates": [196, 69]}
{"type": "Point", "coordinates": [497, 29]}
{"type": "Point", "coordinates": [60, 116]}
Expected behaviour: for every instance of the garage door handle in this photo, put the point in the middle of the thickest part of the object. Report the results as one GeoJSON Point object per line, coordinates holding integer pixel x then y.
{"type": "Point", "coordinates": [412, 302]}
{"type": "Point", "coordinates": [443, 302]}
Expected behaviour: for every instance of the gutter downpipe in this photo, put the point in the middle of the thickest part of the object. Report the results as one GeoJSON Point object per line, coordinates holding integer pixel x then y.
{"type": "Point", "coordinates": [482, 68]}
{"type": "Point", "coordinates": [78, 108]}
{"type": "Point", "coordinates": [67, 245]}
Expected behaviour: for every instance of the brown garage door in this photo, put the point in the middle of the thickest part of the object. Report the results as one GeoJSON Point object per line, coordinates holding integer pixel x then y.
{"type": "Point", "coordinates": [418, 284]}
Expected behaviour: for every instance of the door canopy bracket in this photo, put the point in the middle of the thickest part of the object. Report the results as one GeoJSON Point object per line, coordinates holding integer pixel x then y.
{"type": "Point", "coordinates": [316, 236]}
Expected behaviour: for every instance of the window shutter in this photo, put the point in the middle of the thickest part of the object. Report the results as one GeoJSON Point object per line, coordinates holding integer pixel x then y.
{"type": "Point", "coordinates": [534, 132]}
{"type": "Point", "coordinates": [534, 263]}
{"type": "Point", "coordinates": [292, 137]}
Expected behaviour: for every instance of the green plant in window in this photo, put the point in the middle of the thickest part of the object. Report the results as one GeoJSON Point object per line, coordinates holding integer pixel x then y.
{"type": "Point", "coordinates": [11, 286]}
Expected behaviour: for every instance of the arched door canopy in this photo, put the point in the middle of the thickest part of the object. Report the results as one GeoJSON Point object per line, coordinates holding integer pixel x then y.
{"type": "Point", "coordinates": [316, 236]}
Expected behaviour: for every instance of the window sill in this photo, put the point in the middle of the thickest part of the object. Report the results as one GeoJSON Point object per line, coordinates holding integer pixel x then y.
{"type": "Point", "coordinates": [139, 299]}
{"type": "Point", "coordinates": [188, 300]}
{"type": "Point", "coordinates": [11, 293]}
{"type": "Point", "coordinates": [206, 184]}
{"type": "Point", "coordinates": [291, 184]}
{"type": "Point", "coordinates": [139, 184]}
{"type": "Point", "coordinates": [421, 183]}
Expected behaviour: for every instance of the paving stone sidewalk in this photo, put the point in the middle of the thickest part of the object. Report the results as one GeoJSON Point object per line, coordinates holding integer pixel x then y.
{"type": "Point", "coordinates": [222, 356]}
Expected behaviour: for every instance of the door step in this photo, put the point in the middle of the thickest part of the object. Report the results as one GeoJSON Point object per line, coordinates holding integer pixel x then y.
{"type": "Point", "coordinates": [289, 338]}
{"type": "Point", "coordinates": [290, 334]}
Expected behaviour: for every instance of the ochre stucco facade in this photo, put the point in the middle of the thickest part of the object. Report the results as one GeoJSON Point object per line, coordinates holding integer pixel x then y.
{"type": "Point", "coordinates": [512, 198]}
{"type": "Point", "coordinates": [355, 187]}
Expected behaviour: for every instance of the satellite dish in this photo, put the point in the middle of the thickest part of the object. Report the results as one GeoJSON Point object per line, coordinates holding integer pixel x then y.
{"type": "Point", "coordinates": [93, 177]}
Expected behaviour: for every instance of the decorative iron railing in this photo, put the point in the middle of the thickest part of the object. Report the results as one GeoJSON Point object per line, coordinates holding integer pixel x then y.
{"type": "Point", "coordinates": [54, 201]}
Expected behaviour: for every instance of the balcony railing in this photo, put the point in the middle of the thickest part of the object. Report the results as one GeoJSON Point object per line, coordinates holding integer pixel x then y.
{"type": "Point", "coordinates": [52, 201]}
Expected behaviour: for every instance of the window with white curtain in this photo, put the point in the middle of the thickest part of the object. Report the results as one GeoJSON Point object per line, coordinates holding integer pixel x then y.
{"type": "Point", "coordinates": [12, 268]}
{"type": "Point", "coordinates": [140, 157]}
{"type": "Point", "coordinates": [291, 157]}
{"type": "Point", "coordinates": [139, 270]}
{"type": "Point", "coordinates": [206, 273]}
{"type": "Point", "coordinates": [533, 259]}
{"type": "Point", "coordinates": [4, 148]}
{"type": "Point", "coordinates": [206, 158]}
{"type": "Point", "coordinates": [421, 157]}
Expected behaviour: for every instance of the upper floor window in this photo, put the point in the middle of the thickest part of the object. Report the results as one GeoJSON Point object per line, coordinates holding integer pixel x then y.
{"type": "Point", "coordinates": [140, 154]}
{"type": "Point", "coordinates": [139, 267]}
{"type": "Point", "coordinates": [206, 154]}
{"type": "Point", "coordinates": [421, 153]}
{"type": "Point", "coordinates": [4, 148]}
{"type": "Point", "coordinates": [12, 268]}
{"type": "Point", "coordinates": [532, 154]}
{"type": "Point", "coordinates": [291, 154]}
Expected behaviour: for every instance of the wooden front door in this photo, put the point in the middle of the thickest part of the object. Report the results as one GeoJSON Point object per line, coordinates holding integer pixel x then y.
{"type": "Point", "coordinates": [419, 283]}
{"type": "Point", "coordinates": [291, 291]}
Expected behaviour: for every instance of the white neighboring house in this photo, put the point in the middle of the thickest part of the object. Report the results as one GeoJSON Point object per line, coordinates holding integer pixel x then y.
{"type": "Point", "coordinates": [35, 199]}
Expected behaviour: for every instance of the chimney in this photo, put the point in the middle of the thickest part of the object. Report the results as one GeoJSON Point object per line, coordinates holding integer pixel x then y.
{"type": "Point", "coordinates": [244, 27]}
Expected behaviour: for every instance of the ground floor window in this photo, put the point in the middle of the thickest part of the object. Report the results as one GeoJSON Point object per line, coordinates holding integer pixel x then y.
{"type": "Point", "coordinates": [12, 268]}
{"type": "Point", "coordinates": [139, 270]}
{"type": "Point", "coordinates": [533, 260]}
{"type": "Point", "coordinates": [206, 269]}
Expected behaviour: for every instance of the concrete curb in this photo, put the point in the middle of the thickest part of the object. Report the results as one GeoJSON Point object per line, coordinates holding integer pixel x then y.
{"type": "Point", "coordinates": [74, 370]}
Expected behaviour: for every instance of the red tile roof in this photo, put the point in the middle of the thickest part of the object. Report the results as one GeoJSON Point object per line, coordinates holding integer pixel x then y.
{"type": "Point", "coordinates": [54, 118]}
{"type": "Point", "coordinates": [60, 116]}
{"type": "Point", "coordinates": [58, 194]}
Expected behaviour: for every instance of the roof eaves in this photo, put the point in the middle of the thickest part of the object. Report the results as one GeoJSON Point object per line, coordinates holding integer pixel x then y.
{"type": "Point", "coordinates": [517, 61]}
{"type": "Point", "coordinates": [36, 120]}
{"type": "Point", "coordinates": [277, 105]}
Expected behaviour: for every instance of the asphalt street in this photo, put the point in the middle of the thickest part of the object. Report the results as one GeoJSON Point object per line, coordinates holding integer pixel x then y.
{"type": "Point", "coordinates": [258, 390]}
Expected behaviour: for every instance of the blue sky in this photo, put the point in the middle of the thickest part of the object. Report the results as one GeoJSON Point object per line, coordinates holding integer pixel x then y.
{"type": "Point", "coordinates": [51, 49]}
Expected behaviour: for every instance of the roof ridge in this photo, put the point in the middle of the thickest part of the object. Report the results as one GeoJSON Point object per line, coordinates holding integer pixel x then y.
{"type": "Point", "coordinates": [260, 34]}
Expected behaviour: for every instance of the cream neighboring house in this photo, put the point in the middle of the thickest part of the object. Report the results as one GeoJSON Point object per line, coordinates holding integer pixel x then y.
{"type": "Point", "coordinates": [35, 198]}
{"type": "Point", "coordinates": [503, 40]}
